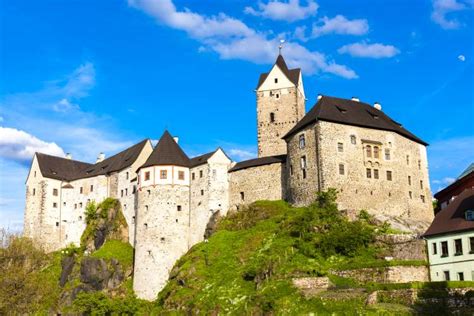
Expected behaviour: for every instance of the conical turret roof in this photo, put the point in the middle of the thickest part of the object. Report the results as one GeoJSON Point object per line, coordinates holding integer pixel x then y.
{"type": "Point", "coordinates": [167, 152]}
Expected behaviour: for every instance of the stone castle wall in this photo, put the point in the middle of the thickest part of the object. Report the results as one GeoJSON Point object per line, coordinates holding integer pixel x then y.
{"type": "Point", "coordinates": [407, 194]}
{"type": "Point", "coordinates": [162, 227]}
{"type": "Point", "coordinates": [287, 106]}
{"type": "Point", "coordinates": [257, 183]}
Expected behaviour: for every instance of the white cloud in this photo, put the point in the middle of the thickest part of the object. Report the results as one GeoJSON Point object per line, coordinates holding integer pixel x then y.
{"type": "Point", "coordinates": [232, 39]}
{"type": "Point", "coordinates": [65, 106]}
{"type": "Point", "coordinates": [241, 154]}
{"type": "Point", "coordinates": [20, 146]}
{"type": "Point", "coordinates": [441, 8]}
{"type": "Point", "coordinates": [79, 83]}
{"type": "Point", "coordinates": [284, 11]}
{"type": "Point", "coordinates": [462, 58]}
{"type": "Point", "coordinates": [444, 181]}
{"type": "Point", "coordinates": [376, 50]}
{"type": "Point", "coordinates": [340, 25]}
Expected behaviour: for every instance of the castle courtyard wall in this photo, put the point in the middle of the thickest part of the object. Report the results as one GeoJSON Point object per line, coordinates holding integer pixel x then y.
{"type": "Point", "coordinates": [265, 182]}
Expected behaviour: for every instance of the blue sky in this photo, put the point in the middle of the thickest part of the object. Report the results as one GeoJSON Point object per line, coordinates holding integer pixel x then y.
{"type": "Point", "coordinates": [91, 76]}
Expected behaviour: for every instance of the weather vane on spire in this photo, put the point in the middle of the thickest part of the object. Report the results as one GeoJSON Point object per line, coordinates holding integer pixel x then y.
{"type": "Point", "coordinates": [282, 41]}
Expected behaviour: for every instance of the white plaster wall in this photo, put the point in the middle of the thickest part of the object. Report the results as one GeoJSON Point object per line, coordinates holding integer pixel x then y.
{"type": "Point", "coordinates": [454, 264]}
{"type": "Point", "coordinates": [269, 83]}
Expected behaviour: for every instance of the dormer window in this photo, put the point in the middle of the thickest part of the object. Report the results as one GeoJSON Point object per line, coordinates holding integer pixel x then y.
{"type": "Point", "coordinates": [469, 215]}
{"type": "Point", "coordinates": [276, 80]}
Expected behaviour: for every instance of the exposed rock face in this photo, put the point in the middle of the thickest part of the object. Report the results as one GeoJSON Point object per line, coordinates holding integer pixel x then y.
{"type": "Point", "coordinates": [99, 276]}
{"type": "Point", "coordinates": [403, 247]}
{"type": "Point", "coordinates": [67, 264]}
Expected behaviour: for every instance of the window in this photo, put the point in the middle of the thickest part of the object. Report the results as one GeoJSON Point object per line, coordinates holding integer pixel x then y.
{"type": "Point", "coordinates": [147, 175]}
{"type": "Point", "coordinates": [277, 96]}
{"type": "Point", "coordinates": [64, 203]}
{"type": "Point", "coordinates": [353, 139]}
{"type": "Point", "coordinates": [303, 162]}
{"type": "Point", "coordinates": [121, 193]}
{"type": "Point", "coordinates": [421, 184]}
{"type": "Point", "coordinates": [291, 169]}
{"type": "Point", "coordinates": [163, 174]}
{"type": "Point", "coordinates": [389, 175]}
{"type": "Point", "coordinates": [444, 249]}
{"type": "Point", "coordinates": [126, 175]}
{"type": "Point", "coordinates": [148, 192]}
{"type": "Point", "coordinates": [341, 169]}
{"type": "Point", "coordinates": [302, 141]}
{"type": "Point", "coordinates": [458, 247]}
{"type": "Point", "coordinates": [368, 151]}
{"type": "Point", "coordinates": [446, 275]}
{"type": "Point", "coordinates": [460, 276]}
{"type": "Point", "coordinates": [75, 206]}
{"type": "Point", "coordinates": [92, 188]}
{"type": "Point", "coordinates": [126, 192]}
{"type": "Point", "coordinates": [410, 194]}
{"type": "Point", "coordinates": [146, 207]}
{"type": "Point", "coordinates": [304, 173]}
{"type": "Point", "coordinates": [409, 180]}
{"type": "Point", "coordinates": [193, 176]}
{"type": "Point", "coordinates": [181, 175]}
{"type": "Point", "coordinates": [376, 173]}
{"type": "Point", "coordinates": [55, 192]}
{"type": "Point", "coordinates": [435, 250]}
{"type": "Point", "coordinates": [242, 196]}
{"type": "Point", "coordinates": [57, 224]}
{"type": "Point", "coordinates": [387, 154]}
{"type": "Point", "coordinates": [35, 174]}
{"type": "Point", "coordinates": [34, 191]}
{"type": "Point", "coordinates": [272, 117]}
{"type": "Point", "coordinates": [55, 204]}
{"type": "Point", "coordinates": [134, 190]}
{"type": "Point", "coordinates": [133, 219]}
{"type": "Point", "coordinates": [469, 215]}
{"type": "Point", "coordinates": [276, 80]}
{"type": "Point", "coordinates": [419, 164]}
{"type": "Point", "coordinates": [80, 205]}
{"type": "Point", "coordinates": [179, 208]}
{"type": "Point", "coordinates": [340, 147]}
{"type": "Point", "coordinates": [369, 173]}
{"type": "Point", "coordinates": [376, 152]}
{"type": "Point", "coordinates": [202, 192]}
{"type": "Point", "coordinates": [408, 159]}
{"type": "Point", "coordinates": [200, 173]}
{"type": "Point", "coordinates": [146, 225]}
{"type": "Point", "coordinates": [422, 197]}
{"type": "Point", "coordinates": [471, 242]}
{"type": "Point", "coordinates": [81, 189]}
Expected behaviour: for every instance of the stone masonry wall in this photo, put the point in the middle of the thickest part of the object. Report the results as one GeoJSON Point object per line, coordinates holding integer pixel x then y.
{"type": "Point", "coordinates": [407, 194]}
{"type": "Point", "coordinates": [258, 183]}
{"type": "Point", "coordinates": [395, 274]}
{"type": "Point", "coordinates": [161, 236]}
{"type": "Point", "coordinates": [302, 191]}
{"type": "Point", "coordinates": [288, 107]}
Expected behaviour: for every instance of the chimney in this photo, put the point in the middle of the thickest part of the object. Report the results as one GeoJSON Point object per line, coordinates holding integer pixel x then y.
{"type": "Point", "coordinates": [100, 158]}
{"type": "Point", "coordinates": [176, 139]}
{"type": "Point", "coordinates": [68, 156]}
{"type": "Point", "coordinates": [320, 96]}
{"type": "Point", "coordinates": [355, 99]}
{"type": "Point", "coordinates": [378, 106]}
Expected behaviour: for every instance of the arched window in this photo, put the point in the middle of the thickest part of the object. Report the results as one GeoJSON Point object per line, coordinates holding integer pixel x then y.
{"type": "Point", "coordinates": [368, 150]}
{"type": "Point", "coordinates": [272, 117]}
{"type": "Point", "coordinates": [376, 152]}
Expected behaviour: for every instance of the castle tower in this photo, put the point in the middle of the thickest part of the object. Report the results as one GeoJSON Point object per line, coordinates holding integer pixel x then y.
{"type": "Point", "coordinates": [280, 105]}
{"type": "Point", "coordinates": [162, 219]}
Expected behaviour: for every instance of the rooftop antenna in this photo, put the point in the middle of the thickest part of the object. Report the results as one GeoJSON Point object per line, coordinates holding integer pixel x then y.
{"type": "Point", "coordinates": [282, 41]}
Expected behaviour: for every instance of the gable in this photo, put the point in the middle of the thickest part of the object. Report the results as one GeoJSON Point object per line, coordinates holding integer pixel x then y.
{"type": "Point", "coordinates": [269, 81]}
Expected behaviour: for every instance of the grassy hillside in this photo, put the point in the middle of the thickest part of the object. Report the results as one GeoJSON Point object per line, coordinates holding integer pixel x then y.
{"type": "Point", "coordinates": [246, 267]}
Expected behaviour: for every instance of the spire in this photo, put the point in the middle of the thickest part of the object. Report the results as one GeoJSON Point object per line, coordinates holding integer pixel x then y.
{"type": "Point", "coordinates": [167, 152]}
{"type": "Point", "coordinates": [282, 41]}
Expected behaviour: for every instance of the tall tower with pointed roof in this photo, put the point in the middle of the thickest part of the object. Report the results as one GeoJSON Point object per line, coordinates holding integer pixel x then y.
{"type": "Point", "coordinates": [280, 105]}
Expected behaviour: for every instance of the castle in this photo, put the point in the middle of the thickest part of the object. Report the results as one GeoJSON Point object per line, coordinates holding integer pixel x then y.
{"type": "Point", "coordinates": [168, 199]}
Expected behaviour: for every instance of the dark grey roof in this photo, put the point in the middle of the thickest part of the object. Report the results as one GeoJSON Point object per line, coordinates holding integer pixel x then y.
{"type": "Point", "coordinates": [200, 160]}
{"type": "Point", "coordinates": [468, 170]}
{"type": "Point", "coordinates": [351, 112]}
{"type": "Point", "coordinates": [60, 168]}
{"type": "Point", "coordinates": [68, 170]}
{"type": "Point", "coordinates": [258, 162]}
{"type": "Point", "coordinates": [167, 152]}
{"type": "Point", "coordinates": [452, 218]}
{"type": "Point", "coordinates": [292, 74]}
{"type": "Point", "coordinates": [117, 162]}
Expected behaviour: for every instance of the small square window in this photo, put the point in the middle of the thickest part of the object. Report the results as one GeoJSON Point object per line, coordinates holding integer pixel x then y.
{"type": "Point", "coordinates": [55, 204]}
{"type": "Point", "coordinates": [163, 174]}
{"type": "Point", "coordinates": [340, 147]}
{"type": "Point", "coordinates": [276, 80]}
{"type": "Point", "coordinates": [422, 197]}
{"type": "Point", "coordinates": [202, 192]}
{"type": "Point", "coordinates": [200, 173]}
{"type": "Point", "coordinates": [181, 175]}
{"type": "Point", "coordinates": [376, 173]}
{"type": "Point", "coordinates": [353, 140]}
{"type": "Point", "coordinates": [193, 176]}
{"type": "Point", "coordinates": [92, 188]}
{"type": "Point", "coordinates": [55, 192]}
{"type": "Point", "coordinates": [179, 208]}
{"type": "Point", "coordinates": [147, 175]}
{"type": "Point", "coordinates": [368, 173]}
{"type": "Point", "coordinates": [389, 175]}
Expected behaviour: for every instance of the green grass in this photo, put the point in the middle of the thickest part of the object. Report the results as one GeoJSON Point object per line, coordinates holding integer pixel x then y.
{"type": "Point", "coordinates": [114, 249]}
